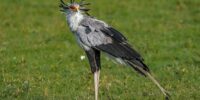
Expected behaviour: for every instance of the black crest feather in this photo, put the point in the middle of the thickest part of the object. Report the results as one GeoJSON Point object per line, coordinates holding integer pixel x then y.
{"type": "Point", "coordinates": [82, 5]}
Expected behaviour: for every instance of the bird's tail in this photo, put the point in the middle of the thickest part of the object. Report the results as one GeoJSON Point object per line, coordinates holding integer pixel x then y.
{"type": "Point", "coordinates": [145, 71]}
{"type": "Point", "coordinates": [159, 86]}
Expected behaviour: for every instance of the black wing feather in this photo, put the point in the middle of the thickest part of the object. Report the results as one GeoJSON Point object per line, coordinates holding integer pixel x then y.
{"type": "Point", "coordinates": [126, 53]}
{"type": "Point", "coordinates": [121, 49]}
{"type": "Point", "coordinates": [114, 34]}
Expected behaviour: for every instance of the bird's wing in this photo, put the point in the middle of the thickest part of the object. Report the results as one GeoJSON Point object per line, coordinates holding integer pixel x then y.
{"type": "Point", "coordinates": [99, 35]}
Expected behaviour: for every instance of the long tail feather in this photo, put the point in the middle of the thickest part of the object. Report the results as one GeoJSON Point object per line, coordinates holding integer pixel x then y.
{"type": "Point", "coordinates": [159, 86]}
{"type": "Point", "coordinates": [147, 73]}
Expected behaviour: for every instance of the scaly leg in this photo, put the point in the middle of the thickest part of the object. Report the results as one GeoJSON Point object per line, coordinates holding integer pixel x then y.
{"type": "Point", "coordinates": [96, 83]}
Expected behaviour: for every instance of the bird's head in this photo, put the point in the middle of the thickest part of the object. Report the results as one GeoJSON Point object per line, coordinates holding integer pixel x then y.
{"type": "Point", "coordinates": [74, 7]}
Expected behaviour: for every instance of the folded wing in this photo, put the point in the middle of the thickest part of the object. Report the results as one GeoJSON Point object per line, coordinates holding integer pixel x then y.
{"type": "Point", "coordinates": [98, 35]}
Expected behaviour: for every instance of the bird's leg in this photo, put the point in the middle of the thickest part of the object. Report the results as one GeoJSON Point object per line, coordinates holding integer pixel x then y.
{"type": "Point", "coordinates": [94, 59]}
{"type": "Point", "coordinates": [98, 75]}
{"type": "Point", "coordinates": [96, 83]}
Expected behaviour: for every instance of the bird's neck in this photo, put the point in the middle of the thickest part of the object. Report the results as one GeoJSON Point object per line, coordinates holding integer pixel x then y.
{"type": "Point", "coordinates": [74, 19]}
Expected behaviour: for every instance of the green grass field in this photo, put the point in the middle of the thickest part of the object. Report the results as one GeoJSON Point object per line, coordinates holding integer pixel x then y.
{"type": "Point", "coordinates": [40, 59]}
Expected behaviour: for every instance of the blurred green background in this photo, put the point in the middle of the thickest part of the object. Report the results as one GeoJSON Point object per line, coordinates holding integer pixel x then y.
{"type": "Point", "coordinates": [40, 59]}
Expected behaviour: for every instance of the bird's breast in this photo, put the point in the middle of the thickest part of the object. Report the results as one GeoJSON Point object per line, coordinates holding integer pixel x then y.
{"type": "Point", "coordinates": [73, 21]}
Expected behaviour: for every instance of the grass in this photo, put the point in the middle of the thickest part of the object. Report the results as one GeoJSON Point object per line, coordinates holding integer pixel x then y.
{"type": "Point", "coordinates": [40, 60]}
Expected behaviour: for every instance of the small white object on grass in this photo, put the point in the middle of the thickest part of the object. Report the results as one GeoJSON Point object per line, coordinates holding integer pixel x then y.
{"type": "Point", "coordinates": [82, 57]}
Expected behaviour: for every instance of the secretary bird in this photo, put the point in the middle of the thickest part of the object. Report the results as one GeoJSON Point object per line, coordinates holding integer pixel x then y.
{"type": "Point", "coordinates": [96, 36]}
